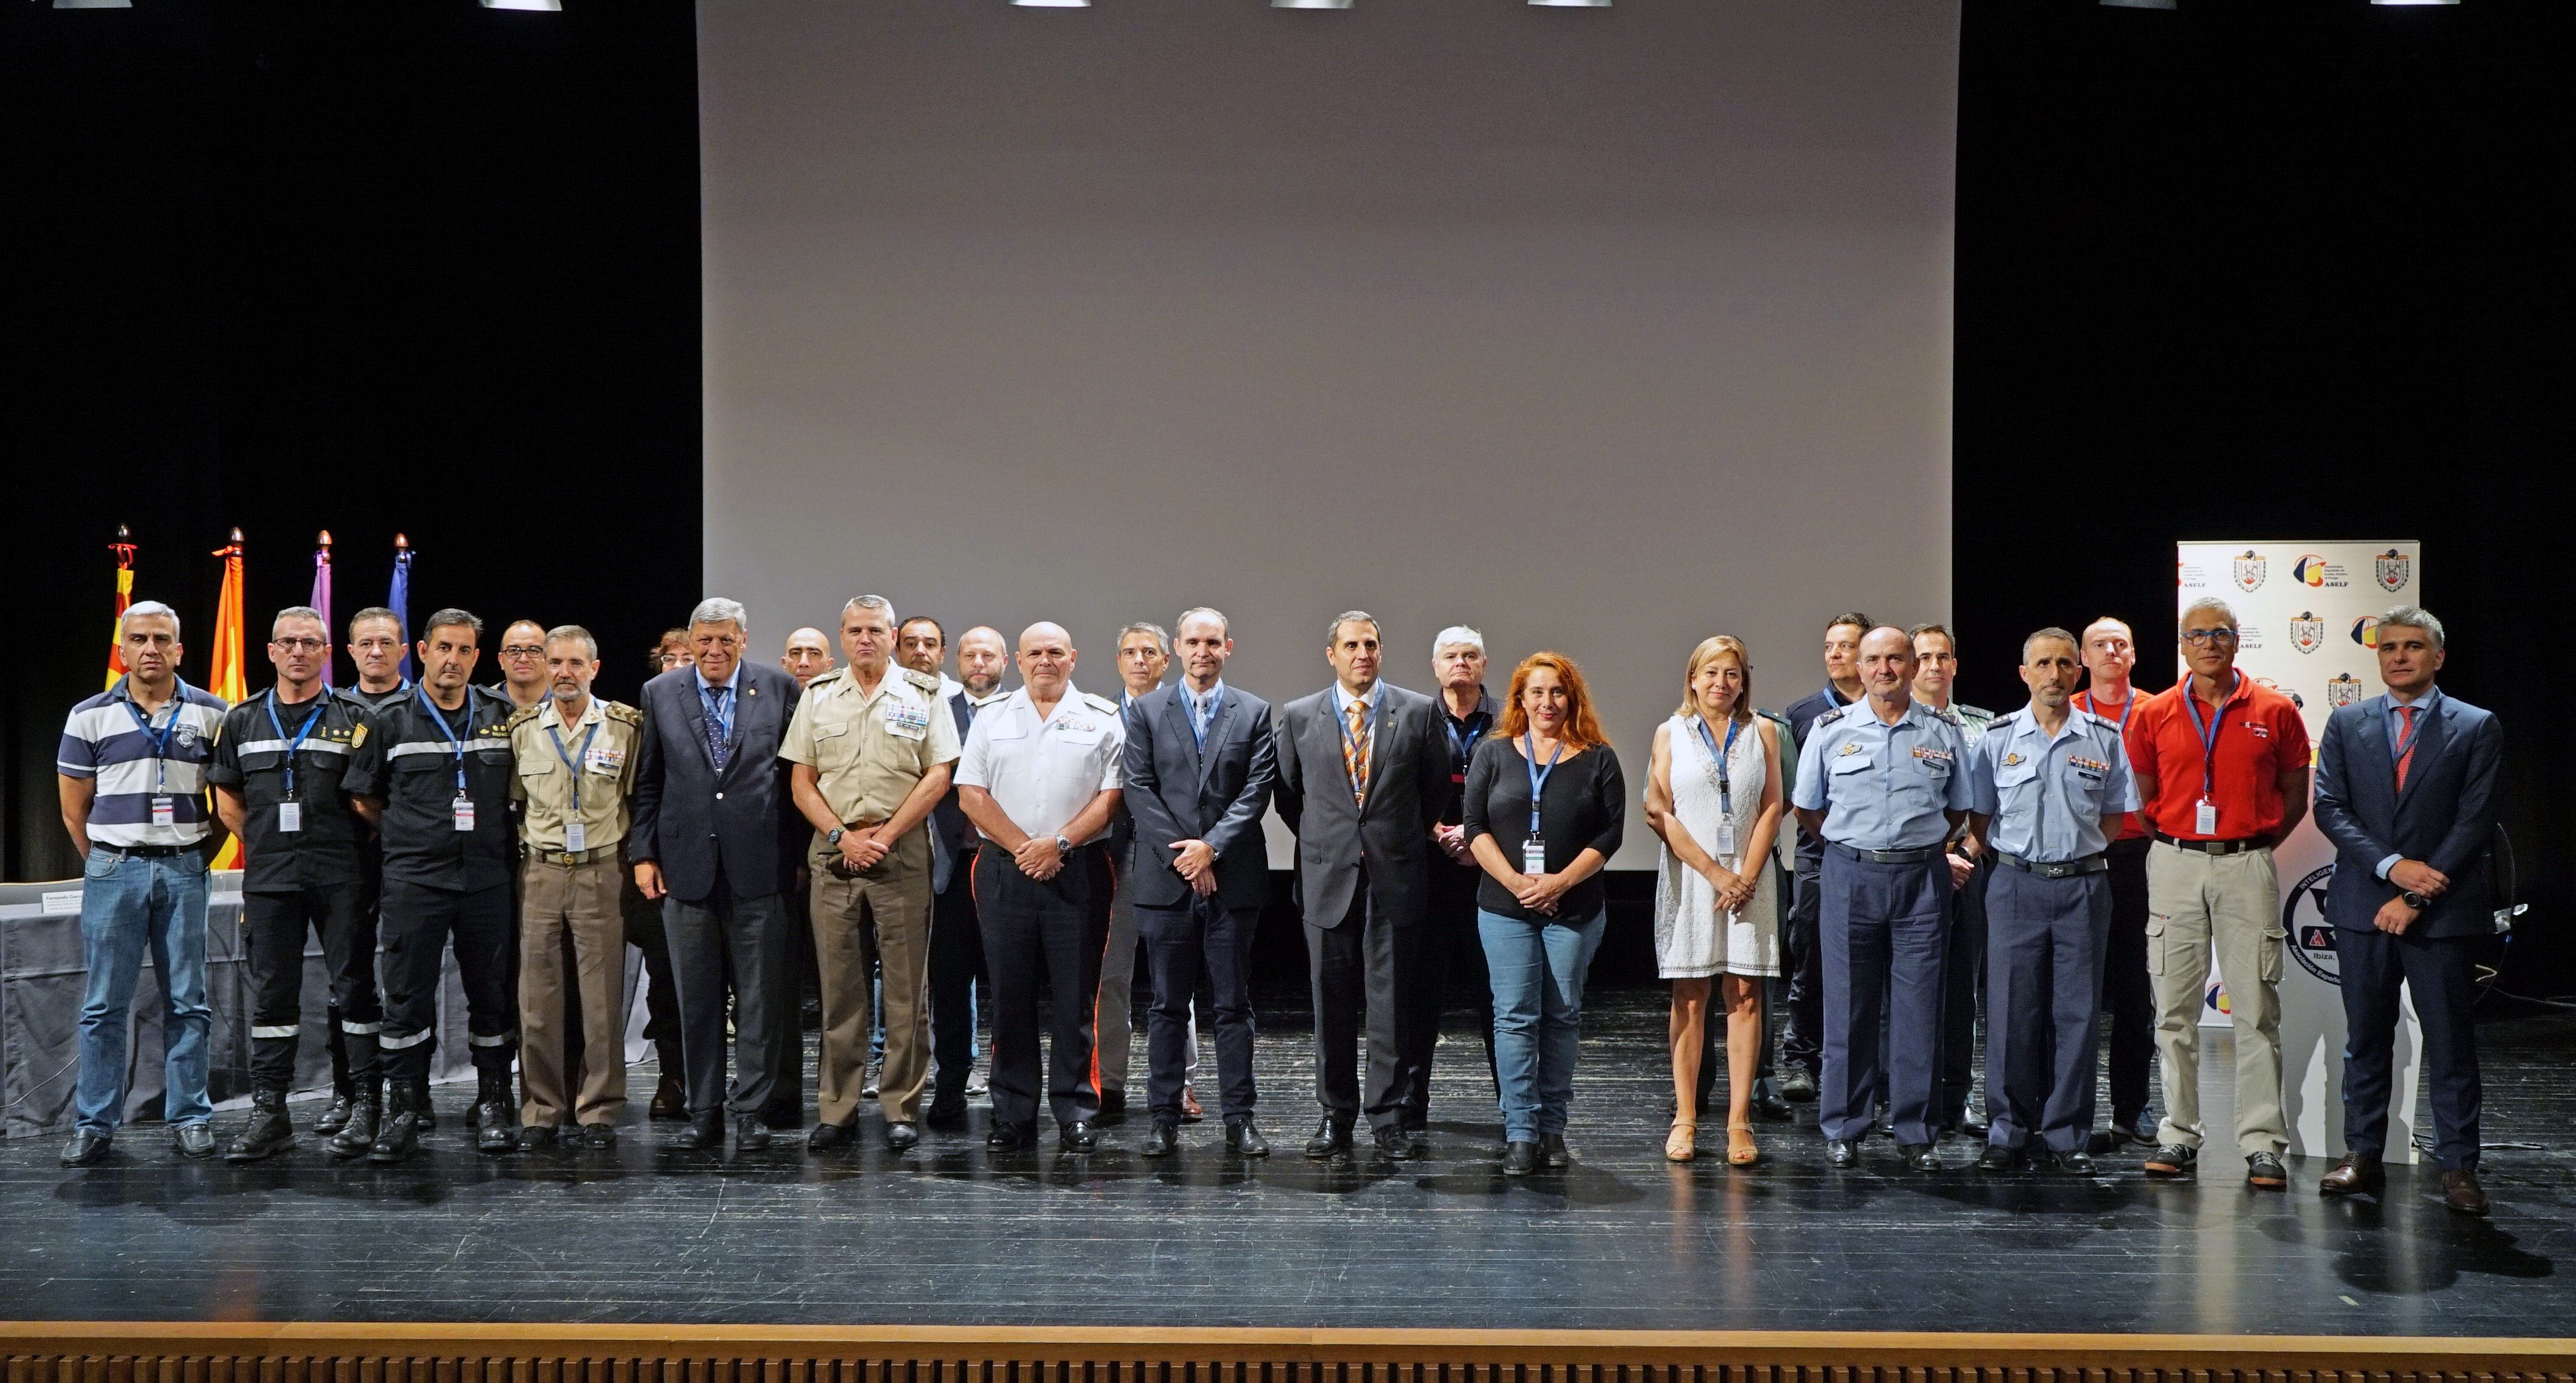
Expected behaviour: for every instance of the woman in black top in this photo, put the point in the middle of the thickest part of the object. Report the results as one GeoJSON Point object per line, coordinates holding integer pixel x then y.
{"type": "Point", "coordinates": [1538, 908]}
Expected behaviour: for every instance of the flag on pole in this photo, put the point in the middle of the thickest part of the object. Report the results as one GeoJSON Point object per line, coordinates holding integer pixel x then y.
{"type": "Point", "coordinates": [224, 670]}
{"type": "Point", "coordinates": [399, 599]}
{"type": "Point", "coordinates": [123, 547]}
{"type": "Point", "coordinates": [322, 599]}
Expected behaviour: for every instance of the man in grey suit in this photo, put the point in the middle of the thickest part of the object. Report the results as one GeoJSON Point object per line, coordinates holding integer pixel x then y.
{"type": "Point", "coordinates": [1199, 768]}
{"type": "Point", "coordinates": [1363, 775]}
{"type": "Point", "coordinates": [711, 837]}
{"type": "Point", "coordinates": [2406, 791]}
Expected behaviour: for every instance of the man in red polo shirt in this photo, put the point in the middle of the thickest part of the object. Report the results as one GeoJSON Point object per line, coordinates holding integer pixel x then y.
{"type": "Point", "coordinates": [2222, 769]}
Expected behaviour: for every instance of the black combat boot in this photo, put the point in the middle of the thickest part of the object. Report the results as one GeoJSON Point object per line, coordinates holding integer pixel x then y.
{"type": "Point", "coordinates": [269, 1131]}
{"type": "Point", "coordinates": [366, 1110]}
{"type": "Point", "coordinates": [398, 1132]}
{"type": "Point", "coordinates": [496, 1128]}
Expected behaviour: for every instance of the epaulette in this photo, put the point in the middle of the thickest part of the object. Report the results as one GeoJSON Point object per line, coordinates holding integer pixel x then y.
{"type": "Point", "coordinates": [522, 716]}
{"type": "Point", "coordinates": [1831, 716]}
{"type": "Point", "coordinates": [1101, 703]}
{"type": "Point", "coordinates": [822, 677]}
{"type": "Point", "coordinates": [621, 712]}
{"type": "Point", "coordinates": [1967, 711]}
{"type": "Point", "coordinates": [921, 679]}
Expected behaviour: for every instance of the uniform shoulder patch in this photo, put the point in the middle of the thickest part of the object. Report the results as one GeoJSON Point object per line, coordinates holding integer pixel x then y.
{"type": "Point", "coordinates": [1833, 715]}
{"type": "Point", "coordinates": [358, 733]}
{"type": "Point", "coordinates": [921, 679]}
{"type": "Point", "coordinates": [1101, 703]}
{"type": "Point", "coordinates": [822, 678]}
{"type": "Point", "coordinates": [621, 712]}
{"type": "Point", "coordinates": [522, 716]}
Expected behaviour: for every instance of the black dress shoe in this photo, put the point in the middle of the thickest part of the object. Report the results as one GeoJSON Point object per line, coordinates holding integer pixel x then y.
{"type": "Point", "coordinates": [335, 1115]}
{"type": "Point", "coordinates": [1009, 1137]}
{"type": "Point", "coordinates": [1331, 1136]}
{"type": "Point", "coordinates": [1998, 1158]}
{"type": "Point", "coordinates": [750, 1135]}
{"type": "Point", "coordinates": [1417, 1143]}
{"type": "Point", "coordinates": [705, 1133]}
{"type": "Point", "coordinates": [534, 1136]}
{"type": "Point", "coordinates": [1970, 1126]}
{"type": "Point", "coordinates": [1922, 1157]}
{"type": "Point", "coordinates": [1842, 1153]}
{"type": "Point", "coordinates": [1388, 1145]}
{"type": "Point", "coordinates": [901, 1136]}
{"type": "Point", "coordinates": [945, 1114]}
{"type": "Point", "coordinates": [2075, 1162]}
{"type": "Point", "coordinates": [1552, 1154]}
{"type": "Point", "coordinates": [1113, 1109]}
{"type": "Point", "coordinates": [598, 1136]}
{"type": "Point", "coordinates": [828, 1135]}
{"type": "Point", "coordinates": [1161, 1140]}
{"type": "Point", "coordinates": [1520, 1158]}
{"type": "Point", "coordinates": [1798, 1085]}
{"type": "Point", "coordinates": [1243, 1140]}
{"type": "Point", "coordinates": [88, 1148]}
{"type": "Point", "coordinates": [195, 1140]}
{"type": "Point", "coordinates": [1077, 1137]}
{"type": "Point", "coordinates": [1767, 1103]}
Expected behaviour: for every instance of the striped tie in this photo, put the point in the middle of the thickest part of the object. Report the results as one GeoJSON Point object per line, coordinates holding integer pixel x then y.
{"type": "Point", "coordinates": [2405, 743]}
{"type": "Point", "coordinates": [1355, 752]}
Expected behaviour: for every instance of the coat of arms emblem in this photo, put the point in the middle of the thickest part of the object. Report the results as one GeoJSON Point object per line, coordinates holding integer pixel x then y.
{"type": "Point", "coordinates": [2307, 632]}
{"type": "Point", "coordinates": [2393, 568]}
{"type": "Point", "coordinates": [2342, 689]}
{"type": "Point", "coordinates": [2250, 570]}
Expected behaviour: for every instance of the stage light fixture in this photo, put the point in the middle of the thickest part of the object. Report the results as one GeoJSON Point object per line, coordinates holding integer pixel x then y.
{"type": "Point", "coordinates": [542, 6]}
{"type": "Point", "coordinates": [1310, 4]}
{"type": "Point", "coordinates": [93, 4]}
{"type": "Point", "coordinates": [2141, 4]}
{"type": "Point", "coordinates": [2414, 2]}
{"type": "Point", "coordinates": [1572, 4]}
{"type": "Point", "coordinates": [1053, 4]}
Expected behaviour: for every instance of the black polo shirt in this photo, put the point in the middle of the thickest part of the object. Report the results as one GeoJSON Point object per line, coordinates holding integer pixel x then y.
{"type": "Point", "coordinates": [251, 758]}
{"type": "Point", "coordinates": [406, 760]}
{"type": "Point", "coordinates": [1462, 737]}
{"type": "Point", "coordinates": [376, 701]}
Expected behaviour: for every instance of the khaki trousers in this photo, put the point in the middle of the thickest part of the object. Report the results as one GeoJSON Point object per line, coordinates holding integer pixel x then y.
{"type": "Point", "coordinates": [2194, 899]}
{"type": "Point", "coordinates": [884, 912]}
{"type": "Point", "coordinates": [581, 901]}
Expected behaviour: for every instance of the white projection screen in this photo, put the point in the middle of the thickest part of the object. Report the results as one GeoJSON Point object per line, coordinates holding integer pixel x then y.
{"type": "Point", "coordinates": [1602, 330]}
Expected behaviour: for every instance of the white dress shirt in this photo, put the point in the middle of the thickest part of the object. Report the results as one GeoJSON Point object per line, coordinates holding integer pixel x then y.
{"type": "Point", "coordinates": [1043, 772]}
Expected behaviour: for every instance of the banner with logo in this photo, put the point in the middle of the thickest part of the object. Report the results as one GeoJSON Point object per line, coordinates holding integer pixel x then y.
{"type": "Point", "coordinates": [2306, 617]}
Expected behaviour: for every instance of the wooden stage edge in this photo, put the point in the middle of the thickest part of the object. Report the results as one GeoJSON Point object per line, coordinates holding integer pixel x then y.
{"type": "Point", "coordinates": [277, 1352]}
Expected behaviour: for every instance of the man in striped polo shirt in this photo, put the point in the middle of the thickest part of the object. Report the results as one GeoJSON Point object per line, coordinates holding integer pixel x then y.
{"type": "Point", "coordinates": [132, 765]}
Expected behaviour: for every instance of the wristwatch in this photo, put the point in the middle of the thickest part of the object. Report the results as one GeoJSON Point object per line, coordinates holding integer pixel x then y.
{"type": "Point", "coordinates": [1063, 846]}
{"type": "Point", "coordinates": [2415, 900]}
{"type": "Point", "coordinates": [833, 836]}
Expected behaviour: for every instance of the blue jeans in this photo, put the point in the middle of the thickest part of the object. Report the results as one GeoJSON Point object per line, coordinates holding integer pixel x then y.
{"type": "Point", "coordinates": [129, 904]}
{"type": "Point", "coordinates": [1538, 971]}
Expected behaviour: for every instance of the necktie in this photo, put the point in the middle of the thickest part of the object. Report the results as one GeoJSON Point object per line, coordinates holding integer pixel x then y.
{"type": "Point", "coordinates": [1355, 751]}
{"type": "Point", "coordinates": [718, 752]}
{"type": "Point", "coordinates": [2405, 742]}
{"type": "Point", "coordinates": [1199, 706]}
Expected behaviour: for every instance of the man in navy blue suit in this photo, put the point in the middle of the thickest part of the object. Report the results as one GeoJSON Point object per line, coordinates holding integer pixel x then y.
{"type": "Point", "coordinates": [1199, 767]}
{"type": "Point", "coordinates": [2406, 791]}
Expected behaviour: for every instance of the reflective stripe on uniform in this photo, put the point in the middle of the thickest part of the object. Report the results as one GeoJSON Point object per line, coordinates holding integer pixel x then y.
{"type": "Point", "coordinates": [502, 1040]}
{"type": "Point", "coordinates": [396, 1044]}
{"type": "Point", "coordinates": [279, 747]}
{"type": "Point", "coordinates": [442, 747]}
{"type": "Point", "coordinates": [284, 1030]}
{"type": "Point", "coordinates": [360, 1029]}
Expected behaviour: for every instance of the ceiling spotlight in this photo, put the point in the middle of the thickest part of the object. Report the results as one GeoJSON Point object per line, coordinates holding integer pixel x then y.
{"type": "Point", "coordinates": [2414, 2]}
{"type": "Point", "coordinates": [1573, 4]}
{"type": "Point", "coordinates": [1054, 4]}
{"type": "Point", "coordinates": [542, 6]}
{"type": "Point", "coordinates": [1310, 4]}
{"type": "Point", "coordinates": [93, 4]}
{"type": "Point", "coordinates": [2140, 4]}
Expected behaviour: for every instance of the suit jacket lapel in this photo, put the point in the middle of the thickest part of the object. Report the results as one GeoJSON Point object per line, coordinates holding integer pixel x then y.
{"type": "Point", "coordinates": [1215, 737]}
{"type": "Point", "coordinates": [2370, 757]}
{"type": "Point", "coordinates": [2428, 743]}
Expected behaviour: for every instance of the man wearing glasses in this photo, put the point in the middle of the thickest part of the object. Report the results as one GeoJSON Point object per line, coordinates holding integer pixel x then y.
{"type": "Point", "coordinates": [2221, 764]}
{"type": "Point", "coordinates": [523, 663]}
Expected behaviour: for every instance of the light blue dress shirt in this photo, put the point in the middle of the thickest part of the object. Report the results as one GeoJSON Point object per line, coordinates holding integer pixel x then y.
{"type": "Point", "coordinates": [1882, 786]}
{"type": "Point", "coordinates": [2047, 794]}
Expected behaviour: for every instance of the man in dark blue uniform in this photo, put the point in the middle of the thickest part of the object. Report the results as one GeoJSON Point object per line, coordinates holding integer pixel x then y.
{"type": "Point", "coordinates": [1802, 1003]}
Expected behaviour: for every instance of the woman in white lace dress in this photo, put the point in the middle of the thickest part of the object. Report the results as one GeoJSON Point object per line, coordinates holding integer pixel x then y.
{"type": "Point", "coordinates": [1714, 795]}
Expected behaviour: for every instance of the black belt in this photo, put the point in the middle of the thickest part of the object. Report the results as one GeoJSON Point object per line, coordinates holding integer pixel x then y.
{"type": "Point", "coordinates": [1914, 856]}
{"type": "Point", "coordinates": [148, 852]}
{"type": "Point", "coordinates": [2057, 869]}
{"type": "Point", "coordinates": [2215, 847]}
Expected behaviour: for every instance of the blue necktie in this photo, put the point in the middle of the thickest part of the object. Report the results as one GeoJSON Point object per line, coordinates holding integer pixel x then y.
{"type": "Point", "coordinates": [718, 751]}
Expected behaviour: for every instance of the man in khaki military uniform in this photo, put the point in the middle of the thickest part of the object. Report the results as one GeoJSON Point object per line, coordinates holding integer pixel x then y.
{"type": "Point", "coordinates": [872, 747]}
{"type": "Point", "coordinates": [575, 759]}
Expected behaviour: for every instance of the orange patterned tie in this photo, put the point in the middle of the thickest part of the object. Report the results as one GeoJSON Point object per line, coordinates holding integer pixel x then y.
{"type": "Point", "coordinates": [1355, 752]}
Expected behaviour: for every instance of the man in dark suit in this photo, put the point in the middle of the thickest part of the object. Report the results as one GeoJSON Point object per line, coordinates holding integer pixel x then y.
{"type": "Point", "coordinates": [956, 942]}
{"type": "Point", "coordinates": [1363, 775]}
{"type": "Point", "coordinates": [1199, 767]}
{"type": "Point", "coordinates": [711, 836]}
{"type": "Point", "coordinates": [2406, 791]}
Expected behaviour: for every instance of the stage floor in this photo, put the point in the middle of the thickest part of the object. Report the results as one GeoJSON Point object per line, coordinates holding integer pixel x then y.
{"type": "Point", "coordinates": [951, 1235]}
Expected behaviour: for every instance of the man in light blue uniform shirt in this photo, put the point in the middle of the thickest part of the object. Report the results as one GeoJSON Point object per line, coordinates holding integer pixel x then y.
{"type": "Point", "coordinates": [1883, 783]}
{"type": "Point", "coordinates": [2051, 783]}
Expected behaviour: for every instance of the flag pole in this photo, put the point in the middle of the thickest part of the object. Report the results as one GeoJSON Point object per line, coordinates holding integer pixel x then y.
{"type": "Point", "coordinates": [123, 547]}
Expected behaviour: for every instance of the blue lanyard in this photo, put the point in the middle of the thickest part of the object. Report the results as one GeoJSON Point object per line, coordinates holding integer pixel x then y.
{"type": "Point", "coordinates": [719, 703]}
{"type": "Point", "coordinates": [1463, 733]}
{"type": "Point", "coordinates": [2209, 733]}
{"type": "Point", "coordinates": [568, 761]}
{"type": "Point", "coordinates": [455, 741]}
{"type": "Point", "coordinates": [1538, 776]}
{"type": "Point", "coordinates": [1358, 747]}
{"type": "Point", "coordinates": [160, 737]}
{"type": "Point", "coordinates": [1725, 784]}
{"type": "Point", "coordinates": [296, 742]}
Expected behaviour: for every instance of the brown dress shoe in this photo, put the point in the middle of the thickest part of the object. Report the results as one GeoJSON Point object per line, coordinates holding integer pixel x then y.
{"type": "Point", "coordinates": [2356, 1175]}
{"type": "Point", "coordinates": [2461, 1192]}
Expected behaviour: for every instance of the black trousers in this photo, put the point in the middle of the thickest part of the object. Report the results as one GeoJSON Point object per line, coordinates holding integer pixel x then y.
{"type": "Point", "coordinates": [1053, 929]}
{"type": "Point", "coordinates": [1963, 997]}
{"type": "Point", "coordinates": [274, 925]}
{"type": "Point", "coordinates": [956, 960]}
{"type": "Point", "coordinates": [1358, 972]}
{"type": "Point", "coordinates": [2442, 975]}
{"type": "Point", "coordinates": [419, 922]}
{"type": "Point", "coordinates": [2127, 990]}
{"type": "Point", "coordinates": [1200, 942]}
{"type": "Point", "coordinates": [1449, 945]}
{"type": "Point", "coordinates": [750, 939]}
{"type": "Point", "coordinates": [1802, 1028]}
{"type": "Point", "coordinates": [644, 932]}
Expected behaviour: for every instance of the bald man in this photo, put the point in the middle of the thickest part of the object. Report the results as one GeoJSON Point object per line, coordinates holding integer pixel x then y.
{"type": "Point", "coordinates": [956, 936]}
{"type": "Point", "coordinates": [808, 655]}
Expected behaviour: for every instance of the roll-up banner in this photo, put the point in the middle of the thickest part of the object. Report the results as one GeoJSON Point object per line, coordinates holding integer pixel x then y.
{"type": "Point", "coordinates": [2307, 615]}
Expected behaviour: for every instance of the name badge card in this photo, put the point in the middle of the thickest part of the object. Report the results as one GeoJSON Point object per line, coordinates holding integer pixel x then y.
{"type": "Point", "coordinates": [464, 813]}
{"type": "Point", "coordinates": [576, 837]}
{"type": "Point", "coordinates": [1726, 837]}
{"type": "Point", "coordinates": [2204, 818]}
{"type": "Point", "coordinates": [1534, 856]}
{"type": "Point", "coordinates": [165, 811]}
{"type": "Point", "coordinates": [290, 816]}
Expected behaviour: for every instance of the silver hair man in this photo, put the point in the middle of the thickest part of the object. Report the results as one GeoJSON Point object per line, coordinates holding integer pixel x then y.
{"type": "Point", "coordinates": [715, 609]}
{"type": "Point", "coordinates": [149, 607]}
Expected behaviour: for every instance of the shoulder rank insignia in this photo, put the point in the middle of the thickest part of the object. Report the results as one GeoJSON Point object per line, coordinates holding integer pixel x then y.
{"type": "Point", "coordinates": [825, 678]}
{"type": "Point", "coordinates": [1101, 703]}
{"type": "Point", "coordinates": [621, 712]}
{"type": "Point", "coordinates": [1833, 715]}
{"type": "Point", "coordinates": [921, 679]}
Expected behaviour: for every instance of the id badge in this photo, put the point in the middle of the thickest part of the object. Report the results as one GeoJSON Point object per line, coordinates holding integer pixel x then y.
{"type": "Point", "coordinates": [1726, 837]}
{"type": "Point", "coordinates": [464, 813]}
{"type": "Point", "coordinates": [576, 838]}
{"type": "Point", "coordinates": [1534, 856]}
{"type": "Point", "coordinates": [165, 811]}
{"type": "Point", "coordinates": [290, 816]}
{"type": "Point", "coordinates": [2204, 818]}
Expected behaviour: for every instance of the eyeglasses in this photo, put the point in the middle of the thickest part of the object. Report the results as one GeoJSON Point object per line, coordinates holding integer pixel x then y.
{"type": "Point", "coordinates": [2205, 637]}
{"type": "Point", "coordinates": [300, 645]}
{"type": "Point", "coordinates": [520, 650]}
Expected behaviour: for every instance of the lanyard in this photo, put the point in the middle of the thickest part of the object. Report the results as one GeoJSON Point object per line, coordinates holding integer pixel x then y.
{"type": "Point", "coordinates": [295, 742]}
{"type": "Point", "coordinates": [570, 762]}
{"type": "Point", "coordinates": [455, 741]}
{"type": "Point", "coordinates": [160, 737]}
{"type": "Point", "coordinates": [1358, 747]}
{"type": "Point", "coordinates": [719, 703]}
{"type": "Point", "coordinates": [1463, 733]}
{"type": "Point", "coordinates": [1725, 783]}
{"type": "Point", "coordinates": [2094, 704]}
{"type": "Point", "coordinates": [1538, 776]}
{"type": "Point", "coordinates": [2208, 734]}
